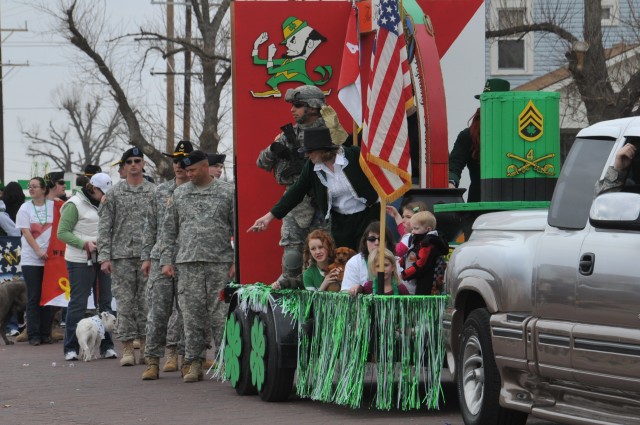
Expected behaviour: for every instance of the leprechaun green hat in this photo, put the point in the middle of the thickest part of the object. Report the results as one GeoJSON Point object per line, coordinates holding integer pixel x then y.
{"type": "Point", "coordinates": [290, 26]}
{"type": "Point", "coordinates": [495, 85]}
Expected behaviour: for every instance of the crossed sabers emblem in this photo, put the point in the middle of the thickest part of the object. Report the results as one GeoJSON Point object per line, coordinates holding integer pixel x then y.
{"type": "Point", "coordinates": [530, 162]}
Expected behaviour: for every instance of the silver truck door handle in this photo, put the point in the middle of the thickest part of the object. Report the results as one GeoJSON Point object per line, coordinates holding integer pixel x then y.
{"type": "Point", "coordinates": [586, 263]}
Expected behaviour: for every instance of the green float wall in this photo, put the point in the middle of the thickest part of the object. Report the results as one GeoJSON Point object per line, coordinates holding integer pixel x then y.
{"type": "Point", "coordinates": [499, 136]}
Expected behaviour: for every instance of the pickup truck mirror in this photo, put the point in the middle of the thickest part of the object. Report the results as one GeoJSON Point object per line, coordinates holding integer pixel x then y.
{"type": "Point", "coordinates": [616, 210]}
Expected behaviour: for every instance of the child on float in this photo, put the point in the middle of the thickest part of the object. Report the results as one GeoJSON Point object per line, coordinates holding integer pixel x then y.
{"type": "Point", "coordinates": [425, 248]}
{"type": "Point", "coordinates": [356, 272]}
{"type": "Point", "coordinates": [392, 283]}
{"type": "Point", "coordinates": [319, 252]}
{"type": "Point", "coordinates": [403, 223]}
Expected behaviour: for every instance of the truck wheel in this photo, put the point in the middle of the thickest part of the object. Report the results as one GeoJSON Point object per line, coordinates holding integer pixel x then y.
{"type": "Point", "coordinates": [244, 385]}
{"type": "Point", "coordinates": [478, 378]}
{"type": "Point", "coordinates": [277, 381]}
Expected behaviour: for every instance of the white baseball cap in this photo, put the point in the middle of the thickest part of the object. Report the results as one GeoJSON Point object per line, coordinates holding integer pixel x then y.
{"type": "Point", "coordinates": [102, 181]}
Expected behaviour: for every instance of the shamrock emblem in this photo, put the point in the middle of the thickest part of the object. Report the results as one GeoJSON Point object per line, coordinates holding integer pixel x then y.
{"type": "Point", "coordinates": [258, 348]}
{"type": "Point", "coordinates": [232, 350]}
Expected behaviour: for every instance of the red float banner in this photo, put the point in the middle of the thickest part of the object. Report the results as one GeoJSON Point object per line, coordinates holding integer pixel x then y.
{"type": "Point", "coordinates": [276, 46]}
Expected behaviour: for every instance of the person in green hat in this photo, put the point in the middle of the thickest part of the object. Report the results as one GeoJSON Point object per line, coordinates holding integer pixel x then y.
{"type": "Point", "coordinates": [466, 149]}
{"type": "Point", "coordinates": [300, 40]}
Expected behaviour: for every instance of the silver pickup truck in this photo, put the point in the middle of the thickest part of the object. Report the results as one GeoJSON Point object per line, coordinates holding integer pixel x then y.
{"type": "Point", "coordinates": [544, 317]}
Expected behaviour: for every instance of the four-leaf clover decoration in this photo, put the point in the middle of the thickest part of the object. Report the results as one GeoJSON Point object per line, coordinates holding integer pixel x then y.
{"type": "Point", "coordinates": [258, 349]}
{"type": "Point", "coordinates": [232, 350]}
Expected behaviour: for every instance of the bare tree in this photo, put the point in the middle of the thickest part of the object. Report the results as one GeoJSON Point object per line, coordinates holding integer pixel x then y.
{"type": "Point", "coordinates": [605, 96]}
{"type": "Point", "coordinates": [212, 49]}
{"type": "Point", "coordinates": [79, 27]}
{"type": "Point", "coordinates": [95, 130]}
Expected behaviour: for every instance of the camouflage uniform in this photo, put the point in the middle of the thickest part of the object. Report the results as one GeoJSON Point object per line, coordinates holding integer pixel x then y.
{"type": "Point", "coordinates": [164, 322]}
{"type": "Point", "coordinates": [122, 216]}
{"type": "Point", "coordinates": [303, 218]}
{"type": "Point", "coordinates": [195, 238]}
{"type": "Point", "coordinates": [613, 181]}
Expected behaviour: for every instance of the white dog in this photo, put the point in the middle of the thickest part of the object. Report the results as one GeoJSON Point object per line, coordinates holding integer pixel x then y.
{"type": "Point", "coordinates": [90, 333]}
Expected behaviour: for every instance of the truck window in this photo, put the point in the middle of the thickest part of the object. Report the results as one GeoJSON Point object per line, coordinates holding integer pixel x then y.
{"type": "Point", "coordinates": [575, 188]}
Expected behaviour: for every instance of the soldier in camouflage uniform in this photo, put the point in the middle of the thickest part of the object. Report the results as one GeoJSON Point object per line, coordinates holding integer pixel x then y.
{"type": "Point", "coordinates": [196, 246]}
{"type": "Point", "coordinates": [164, 320]}
{"type": "Point", "coordinates": [614, 178]}
{"type": "Point", "coordinates": [122, 216]}
{"type": "Point", "coordinates": [283, 159]}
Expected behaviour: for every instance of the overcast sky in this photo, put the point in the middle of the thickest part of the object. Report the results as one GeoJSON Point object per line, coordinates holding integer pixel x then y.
{"type": "Point", "coordinates": [29, 90]}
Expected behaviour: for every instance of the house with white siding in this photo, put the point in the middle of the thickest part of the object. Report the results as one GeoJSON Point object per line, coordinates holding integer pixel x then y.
{"type": "Point", "coordinates": [536, 61]}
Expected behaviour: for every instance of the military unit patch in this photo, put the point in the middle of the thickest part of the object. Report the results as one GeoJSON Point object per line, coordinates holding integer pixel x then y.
{"type": "Point", "coordinates": [530, 123]}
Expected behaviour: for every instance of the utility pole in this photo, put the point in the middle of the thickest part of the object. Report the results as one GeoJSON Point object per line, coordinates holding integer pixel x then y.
{"type": "Point", "coordinates": [186, 121]}
{"type": "Point", "coordinates": [171, 101]}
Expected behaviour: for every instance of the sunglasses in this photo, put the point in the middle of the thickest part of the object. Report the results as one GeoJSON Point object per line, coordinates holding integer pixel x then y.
{"type": "Point", "coordinates": [131, 161]}
{"type": "Point", "coordinates": [61, 182]}
{"type": "Point", "coordinates": [299, 104]}
{"type": "Point", "coordinates": [373, 238]}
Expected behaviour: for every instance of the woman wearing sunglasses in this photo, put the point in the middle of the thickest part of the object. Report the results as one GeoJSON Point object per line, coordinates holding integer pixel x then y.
{"type": "Point", "coordinates": [35, 221]}
{"type": "Point", "coordinates": [356, 272]}
{"type": "Point", "coordinates": [56, 185]}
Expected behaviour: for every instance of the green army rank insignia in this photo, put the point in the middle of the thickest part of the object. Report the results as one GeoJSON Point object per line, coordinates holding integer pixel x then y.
{"type": "Point", "coordinates": [530, 123]}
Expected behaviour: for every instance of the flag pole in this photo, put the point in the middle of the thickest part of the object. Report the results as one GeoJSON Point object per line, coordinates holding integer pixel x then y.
{"type": "Point", "coordinates": [383, 245]}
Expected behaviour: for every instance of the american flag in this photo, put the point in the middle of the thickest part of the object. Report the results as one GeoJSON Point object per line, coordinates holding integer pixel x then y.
{"type": "Point", "coordinates": [385, 148]}
{"type": "Point", "coordinates": [9, 255]}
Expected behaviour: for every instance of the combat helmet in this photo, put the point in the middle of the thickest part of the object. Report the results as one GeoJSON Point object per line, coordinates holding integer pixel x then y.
{"type": "Point", "coordinates": [311, 95]}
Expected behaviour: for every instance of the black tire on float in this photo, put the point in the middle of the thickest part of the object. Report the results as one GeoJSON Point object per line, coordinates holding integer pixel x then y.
{"type": "Point", "coordinates": [478, 378]}
{"type": "Point", "coordinates": [278, 381]}
{"type": "Point", "coordinates": [244, 385]}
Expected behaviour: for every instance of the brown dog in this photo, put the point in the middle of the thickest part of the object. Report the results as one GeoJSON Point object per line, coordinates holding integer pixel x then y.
{"type": "Point", "coordinates": [13, 299]}
{"type": "Point", "coordinates": [342, 256]}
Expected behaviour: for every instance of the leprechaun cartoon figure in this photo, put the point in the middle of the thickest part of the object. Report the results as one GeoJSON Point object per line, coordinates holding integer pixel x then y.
{"type": "Point", "coordinates": [301, 40]}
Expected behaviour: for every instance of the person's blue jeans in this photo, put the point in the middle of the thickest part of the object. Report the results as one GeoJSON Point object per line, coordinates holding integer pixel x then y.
{"type": "Point", "coordinates": [38, 318]}
{"type": "Point", "coordinates": [13, 323]}
{"type": "Point", "coordinates": [82, 278]}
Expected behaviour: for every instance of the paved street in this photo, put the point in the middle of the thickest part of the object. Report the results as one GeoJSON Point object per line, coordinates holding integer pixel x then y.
{"type": "Point", "coordinates": [38, 387]}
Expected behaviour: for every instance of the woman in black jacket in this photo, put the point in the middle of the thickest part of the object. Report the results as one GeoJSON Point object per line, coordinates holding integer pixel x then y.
{"type": "Point", "coordinates": [341, 190]}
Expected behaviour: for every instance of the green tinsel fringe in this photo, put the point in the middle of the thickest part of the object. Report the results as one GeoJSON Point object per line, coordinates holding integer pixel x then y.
{"type": "Point", "coordinates": [339, 334]}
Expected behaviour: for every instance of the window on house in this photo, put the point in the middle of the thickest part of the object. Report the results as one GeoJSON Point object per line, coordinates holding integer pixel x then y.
{"type": "Point", "coordinates": [609, 12]}
{"type": "Point", "coordinates": [511, 55]}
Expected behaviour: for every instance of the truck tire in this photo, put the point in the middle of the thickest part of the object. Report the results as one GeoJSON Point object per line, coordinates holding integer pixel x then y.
{"type": "Point", "coordinates": [278, 380]}
{"type": "Point", "coordinates": [244, 385]}
{"type": "Point", "coordinates": [478, 378]}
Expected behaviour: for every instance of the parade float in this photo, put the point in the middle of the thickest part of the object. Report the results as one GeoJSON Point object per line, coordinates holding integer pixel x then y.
{"type": "Point", "coordinates": [325, 346]}
{"type": "Point", "coordinates": [328, 344]}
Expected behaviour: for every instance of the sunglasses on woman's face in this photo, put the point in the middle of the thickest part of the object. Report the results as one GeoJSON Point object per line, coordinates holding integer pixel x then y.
{"type": "Point", "coordinates": [373, 238]}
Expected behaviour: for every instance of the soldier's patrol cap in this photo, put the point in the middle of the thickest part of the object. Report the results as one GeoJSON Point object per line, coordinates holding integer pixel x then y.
{"type": "Point", "coordinates": [216, 158]}
{"type": "Point", "coordinates": [310, 95]}
{"type": "Point", "coordinates": [134, 152]}
{"type": "Point", "coordinates": [183, 148]}
{"type": "Point", "coordinates": [193, 158]}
